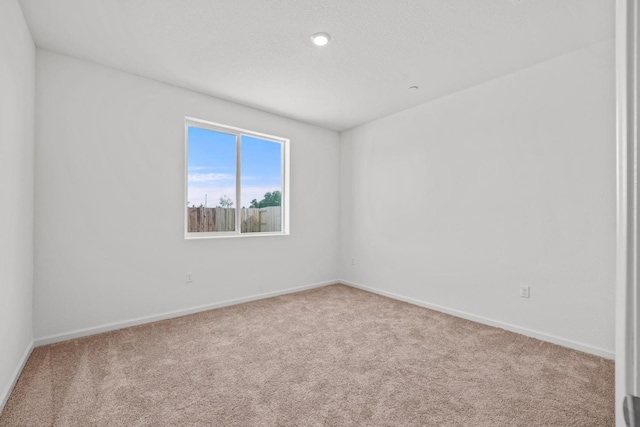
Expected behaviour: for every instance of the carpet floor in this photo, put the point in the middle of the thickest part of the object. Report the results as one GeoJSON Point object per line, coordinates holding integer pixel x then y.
{"type": "Point", "coordinates": [332, 356]}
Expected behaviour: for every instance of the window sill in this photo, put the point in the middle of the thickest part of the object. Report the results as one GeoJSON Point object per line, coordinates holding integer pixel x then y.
{"type": "Point", "coordinates": [200, 236]}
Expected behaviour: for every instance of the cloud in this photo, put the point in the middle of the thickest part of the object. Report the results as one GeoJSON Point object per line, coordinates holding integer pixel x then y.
{"type": "Point", "coordinates": [206, 178]}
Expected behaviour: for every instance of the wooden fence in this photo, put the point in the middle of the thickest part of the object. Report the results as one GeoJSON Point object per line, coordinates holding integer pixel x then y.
{"type": "Point", "coordinates": [253, 220]}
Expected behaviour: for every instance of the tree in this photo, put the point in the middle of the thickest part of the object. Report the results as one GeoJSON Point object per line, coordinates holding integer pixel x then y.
{"type": "Point", "coordinates": [225, 202]}
{"type": "Point", "coordinates": [270, 199]}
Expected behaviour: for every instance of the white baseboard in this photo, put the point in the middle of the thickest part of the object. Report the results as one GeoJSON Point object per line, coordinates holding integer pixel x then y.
{"type": "Point", "coordinates": [607, 354]}
{"type": "Point", "coordinates": [4, 397]}
{"type": "Point", "coordinates": [50, 339]}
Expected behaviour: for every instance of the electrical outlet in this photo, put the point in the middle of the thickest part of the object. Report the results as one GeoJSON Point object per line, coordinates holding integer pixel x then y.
{"type": "Point", "coordinates": [188, 278]}
{"type": "Point", "coordinates": [525, 292]}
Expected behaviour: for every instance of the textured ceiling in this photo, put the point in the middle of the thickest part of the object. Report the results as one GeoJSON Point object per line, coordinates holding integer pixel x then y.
{"type": "Point", "coordinates": [258, 52]}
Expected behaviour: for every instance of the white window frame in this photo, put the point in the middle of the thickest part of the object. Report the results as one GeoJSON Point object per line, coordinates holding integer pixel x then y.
{"type": "Point", "coordinates": [238, 132]}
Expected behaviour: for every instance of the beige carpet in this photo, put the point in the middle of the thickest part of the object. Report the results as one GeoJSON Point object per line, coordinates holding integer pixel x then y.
{"type": "Point", "coordinates": [332, 356]}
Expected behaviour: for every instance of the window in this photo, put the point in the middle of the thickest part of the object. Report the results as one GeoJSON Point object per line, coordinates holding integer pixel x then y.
{"type": "Point", "coordinates": [236, 182]}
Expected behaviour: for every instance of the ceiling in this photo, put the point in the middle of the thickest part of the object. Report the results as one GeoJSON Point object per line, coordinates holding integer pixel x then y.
{"type": "Point", "coordinates": [258, 52]}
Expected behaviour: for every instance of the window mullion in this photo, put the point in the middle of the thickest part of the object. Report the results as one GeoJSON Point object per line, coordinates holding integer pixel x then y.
{"type": "Point", "coordinates": [283, 189]}
{"type": "Point", "coordinates": [238, 190]}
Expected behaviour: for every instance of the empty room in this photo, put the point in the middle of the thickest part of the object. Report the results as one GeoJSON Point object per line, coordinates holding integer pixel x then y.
{"type": "Point", "coordinates": [319, 213]}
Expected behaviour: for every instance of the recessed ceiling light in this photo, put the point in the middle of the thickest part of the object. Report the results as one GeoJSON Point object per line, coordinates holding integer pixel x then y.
{"type": "Point", "coordinates": [320, 39]}
{"type": "Point", "coordinates": [413, 87]}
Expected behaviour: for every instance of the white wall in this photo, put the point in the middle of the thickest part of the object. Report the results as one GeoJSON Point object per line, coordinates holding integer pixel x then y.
{"type": "Point", "coordinates": [17, 78]}
{"type": "Point", "coordinates": [508, 183]}
{"type": "Point", "coordinates": [460, 201]}
{"type": "Point", "coordinates": [109, 202]}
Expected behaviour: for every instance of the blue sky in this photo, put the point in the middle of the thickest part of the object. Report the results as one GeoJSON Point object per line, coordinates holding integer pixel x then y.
{"type": "Point", "coordinates": [212, 167]}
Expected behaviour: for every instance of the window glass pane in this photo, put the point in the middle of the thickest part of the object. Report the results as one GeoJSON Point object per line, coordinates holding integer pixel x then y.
{"type": "Point", "coordinates": [261, 185]}
{"type": "Point", "coordinates": [211, 181]}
